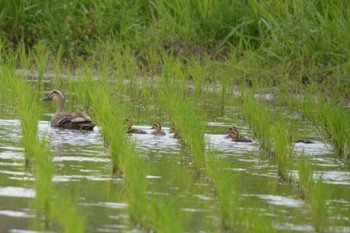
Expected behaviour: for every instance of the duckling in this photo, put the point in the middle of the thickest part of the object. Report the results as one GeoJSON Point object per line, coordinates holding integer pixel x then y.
{"type": "Point", "coordinates": [175, 131]}
{"type": "Point", "coordinates": [67, 120]}
{"type": "Point", "coordinates": [236, 136]}
{"type": "Point", "coordinates": [157, 129]}
{"type": "Point", "coordinates": [305, 141]}
{"type": "Point", "coordinates": [129, 122]}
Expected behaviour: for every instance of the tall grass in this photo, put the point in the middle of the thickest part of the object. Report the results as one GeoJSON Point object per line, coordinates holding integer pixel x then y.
{"type": "Point", "coordinates": [270, 29]}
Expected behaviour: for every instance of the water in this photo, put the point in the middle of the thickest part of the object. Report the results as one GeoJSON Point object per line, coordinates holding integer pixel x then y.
{"type": "Point", "coordinates": [83, 168]}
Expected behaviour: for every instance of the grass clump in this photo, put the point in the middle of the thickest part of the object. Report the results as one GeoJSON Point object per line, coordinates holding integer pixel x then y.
{"type": "Point", "coordinates": [165, 216]}
{"type": "Point", "coordinates": [328, 115]}
{"type": "Point", "coordinates": [39, 159]}
{"type": "Point", "coordinates": [272, 132]}
{"type": "Point", "coordinates": [226, 186]}
{"type": "Point", "coordinates": [108, 114]}
{"type": "Point", "coordinates": [235, 215]}
{"type": "Point", "coordinates": [135, 171]}
{"type": "Point", "coordinates": [188, 121]}
{"type": "Point", "coordinates": [29, 113]}
{"type": "Point", "coordinates": [315, 194]}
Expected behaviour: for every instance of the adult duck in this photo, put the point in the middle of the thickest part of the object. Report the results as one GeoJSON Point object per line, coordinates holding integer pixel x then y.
{"type": "Point", "coordinates": [129, 122]}
{"type": "Point", "coordinates": [67, 120]}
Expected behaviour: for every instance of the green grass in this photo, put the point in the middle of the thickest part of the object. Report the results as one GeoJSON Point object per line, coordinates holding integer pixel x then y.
{"type": "Point", "coordinates": [265, 34]}
{"type": "Point", "coordinates": [271, 130]}
{"type": "Point", "coordinates": [29, 113]}
{"type": "Point", "coordinates": [315, 194]}
{"type": "Point", "coordinates": [227, 189]}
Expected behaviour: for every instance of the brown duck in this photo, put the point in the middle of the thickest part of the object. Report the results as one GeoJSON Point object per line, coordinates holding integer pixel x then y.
{"type": "Point", "coordinates": [129, 122]}
{"type": "Point", "coordinates": [236, 136]}
{"type": "Point", "coordinates": [67, 120]}
{"type": "Point", "coordinates": [157, 129]}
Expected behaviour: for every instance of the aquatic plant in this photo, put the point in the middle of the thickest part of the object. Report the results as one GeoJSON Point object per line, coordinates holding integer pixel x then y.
{"type": "Point", "coordinates": [187, 119]}
{"type": "Point", "coordinates": [336, 124]}
{"type": "Point", "coordinates": [315, 194]}
{"type": "Point", "coordinates": [226, 187]}
{"type": "Point", "coordinates": [327, 115]}
{"type": "Point", "coordinates": [41, 55]}
{"type": "Point", "coordinates": [165, 215]}
{"type": "Point", "coordinates": [135, 170]}
{"type": "Point", "coordinates": [29, 114]}
{"type": "Point", "coordinates": [270, 129]}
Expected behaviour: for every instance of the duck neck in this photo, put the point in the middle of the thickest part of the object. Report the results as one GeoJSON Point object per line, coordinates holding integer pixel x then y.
{"type": "Point", "coordinates": [60, 106]}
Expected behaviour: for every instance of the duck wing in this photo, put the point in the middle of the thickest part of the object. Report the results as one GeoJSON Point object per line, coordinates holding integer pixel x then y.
{"type": "Point", "coordinates": [74, 120]}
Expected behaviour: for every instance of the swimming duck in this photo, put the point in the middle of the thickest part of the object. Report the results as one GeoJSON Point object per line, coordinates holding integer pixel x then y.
{"type": "Point", "coordinates": [157, 129]}
{"type": "Point", "coordinates": [236, 136]}
{"type": "Point", "coordinates": [67, 120]}
{"type": "Point", "coordinates": [175, 131]}
{"type": "Point", "coordinates": [305, 141]}
{"type": "Point", "coordinates": [129, 122]}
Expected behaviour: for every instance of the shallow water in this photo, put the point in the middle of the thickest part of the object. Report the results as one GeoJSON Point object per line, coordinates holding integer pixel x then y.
{"type": "Point", "coordinates": [83, 166]}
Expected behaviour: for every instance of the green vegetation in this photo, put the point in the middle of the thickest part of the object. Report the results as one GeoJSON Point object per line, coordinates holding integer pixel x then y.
{"type": "Point", "coordinates": [271, 130]}
{"type": "Point", "coordinates": [315, 194]}
{"type": "Point", "coordinates": [264, 36]}
{"type": "Point", "coordinates": [58, 208]}
{"type": "Point", "coordinates": [185, 63]}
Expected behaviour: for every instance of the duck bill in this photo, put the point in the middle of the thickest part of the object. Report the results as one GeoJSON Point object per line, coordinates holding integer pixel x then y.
{"type": "Point", "coordinates": [46, 99]}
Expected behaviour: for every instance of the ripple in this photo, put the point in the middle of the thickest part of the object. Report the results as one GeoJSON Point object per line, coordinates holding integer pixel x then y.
{"type": "Point", "coordinates": [16, 214]}
{"type": "Point", "coordinates": [17, 192]}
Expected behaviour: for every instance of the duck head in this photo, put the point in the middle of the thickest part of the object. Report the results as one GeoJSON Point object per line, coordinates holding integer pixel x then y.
{"type": "Point", "coordinates": [129, 122]}
{"type": "Point", "coordinates": [157, 126]}
{"type": "Point", "coordinates": [58, 96]}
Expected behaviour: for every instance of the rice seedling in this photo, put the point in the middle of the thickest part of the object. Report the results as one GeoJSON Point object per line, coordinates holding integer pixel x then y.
{"type": "Point", "coordinates": [25, 57]}
{"type": "Point", "coordinates": [329, 116]}
{"type": "Point", "coordinates": [336, 125]}
{"type": "Point", "coordinates": [135, 171]}
{"type": "Point", "coordinates": [271, 130]}
{"type": "Point", "coordinates": [108, 114]}
{"type": "Point", "coordinates": [190, 126]}
{"type": "Point", "coordinates": [315, 194]}
{"type": "Point", "coordinates": [58, 208]}
{"type": "Point", "coordinates": [227, 190]}
{"type": "Point", "coordinates": [165, 215]}
{"type": "Point", "coordinates": [41, 55]}
{"type": "Point", "coordinates": [29, 115]}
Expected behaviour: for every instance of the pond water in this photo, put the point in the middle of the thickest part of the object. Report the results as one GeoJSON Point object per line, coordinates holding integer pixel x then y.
{"type": "Point", "coordinates": [83, 166]}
